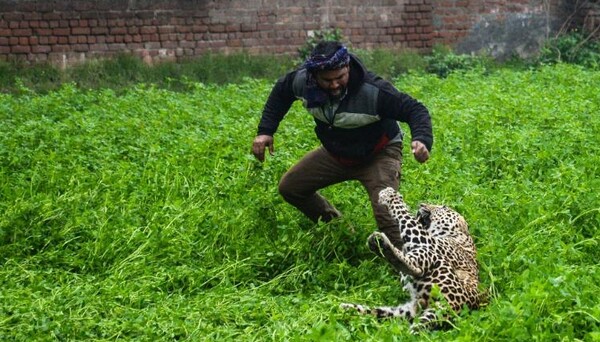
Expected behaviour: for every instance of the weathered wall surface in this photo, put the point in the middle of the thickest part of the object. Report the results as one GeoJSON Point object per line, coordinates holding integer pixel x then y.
{"type": "Point", "coordinates": [499, 28]}
{"type": "Point", "coordinates": [587, 15]}
{"type": "Point", "coordinates": [65, 32]}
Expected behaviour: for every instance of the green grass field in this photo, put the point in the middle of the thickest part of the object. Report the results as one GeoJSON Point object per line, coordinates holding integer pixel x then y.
{"type": "Point", "coordinates": [141, 215]}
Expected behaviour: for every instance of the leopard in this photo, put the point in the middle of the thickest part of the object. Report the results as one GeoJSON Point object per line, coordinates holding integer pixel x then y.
{"type": "Point", "coordinates": [436, 250]}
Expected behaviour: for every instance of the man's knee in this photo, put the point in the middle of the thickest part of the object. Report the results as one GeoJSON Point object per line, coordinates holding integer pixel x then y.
{"type": "Point", "coordinates": [286, 188]}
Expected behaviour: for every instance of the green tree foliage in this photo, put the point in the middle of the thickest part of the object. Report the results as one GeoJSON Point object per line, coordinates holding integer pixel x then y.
{"type": "Point", "coordinates": [575, 47]}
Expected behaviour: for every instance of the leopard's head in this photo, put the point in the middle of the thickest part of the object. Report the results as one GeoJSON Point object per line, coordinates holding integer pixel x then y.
{"type": "Point", "coordinates": [441, 217]}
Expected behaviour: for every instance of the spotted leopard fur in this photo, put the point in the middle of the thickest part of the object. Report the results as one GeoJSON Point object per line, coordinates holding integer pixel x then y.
{"type": "Point", "coordinates": [436, 249]}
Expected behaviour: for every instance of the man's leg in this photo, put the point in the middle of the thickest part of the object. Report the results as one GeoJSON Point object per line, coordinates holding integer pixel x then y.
{"type": "Point", "coordinates": [299, 184]}
{"type": "Point", "coordinates": [382, 172]}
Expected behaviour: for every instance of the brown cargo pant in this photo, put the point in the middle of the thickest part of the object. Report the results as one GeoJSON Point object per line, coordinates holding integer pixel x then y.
{"type": "Point", "coordinates": [318, 169]}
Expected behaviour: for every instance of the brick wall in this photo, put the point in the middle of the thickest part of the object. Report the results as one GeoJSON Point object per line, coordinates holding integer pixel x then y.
{"type": "Point", "coordinates": [65, 32]}
{"type": "Point", "coordinates": [588, 16]}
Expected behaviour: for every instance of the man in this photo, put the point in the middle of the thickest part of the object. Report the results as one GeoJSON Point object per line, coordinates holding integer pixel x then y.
{"type": "Point", "coordinates": [356, 114]}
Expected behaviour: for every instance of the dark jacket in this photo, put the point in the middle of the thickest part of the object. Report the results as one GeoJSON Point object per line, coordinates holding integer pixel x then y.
{"type": "Point", "coordinates": [365, 117]}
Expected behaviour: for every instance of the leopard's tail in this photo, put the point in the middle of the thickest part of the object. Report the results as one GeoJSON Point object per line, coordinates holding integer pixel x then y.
{"type": "Point", "coordinates": [402, 311]}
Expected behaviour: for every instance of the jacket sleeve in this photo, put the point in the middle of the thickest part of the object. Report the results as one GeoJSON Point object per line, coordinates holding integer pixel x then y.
{"type": "Point", "coordinates": [279, 102]}
{"type": "Point", "coordinates": [402, 107]}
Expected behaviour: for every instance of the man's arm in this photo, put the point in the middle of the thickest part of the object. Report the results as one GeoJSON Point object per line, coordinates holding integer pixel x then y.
{"type": "Point", "coordinates": [402, 107]}
{"type": "Point", "coordinates": [279, 102]}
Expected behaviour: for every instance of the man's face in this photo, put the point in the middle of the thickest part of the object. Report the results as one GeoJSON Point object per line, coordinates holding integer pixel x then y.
{"type": "Point", "coordinates": [334, 82]}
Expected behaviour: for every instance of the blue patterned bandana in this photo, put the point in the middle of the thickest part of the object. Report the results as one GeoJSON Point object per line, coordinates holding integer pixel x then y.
{"type": "Point", "coordinates": [338, 60]}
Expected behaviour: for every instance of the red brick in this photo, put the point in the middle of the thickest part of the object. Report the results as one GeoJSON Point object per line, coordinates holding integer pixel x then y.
{"type": "Point", "coordinates": [41, 49]}
{"type": "Point", "coordinates": [51, 16]}
{"type": "Point", "coordinates": [148, 30]}
{"type": "Point", "coordinates": [150, 37]}
{"type": "Point", "coordinates": [12, 16]}
{"type": "Point", "coordinates": [20, 49]}
{"type": "Point", "coordinates": [152, 45]}
{"type": "Point", "coordinates": [144, 14]}
{"type": "Point", "coordinates": [199, 28]}
{"type": "Point", "coordinates": [98, 47]}
{"type": "Point", "coordinates": [234, 43]}
{"type": "Point", "coordinates": [168, 44]}
{"type": "Point", "coordinates": [232, 28]}
{"type": "Point", "coordinates": [219, 28]}
{"type": "Point", "coordinates": [61, 31]}
{"type": "Point", "coordinates": [99, 30]}
{"type": "Point", "coordinates": [166, 29]}
{"type": "Point", "coordinates": [30, 16]}
{"type": "Point", "coordinates": [117, 47]}
{"type": "Point", "coordinates": [116, 22]}
{"type": "Point", "coordinates": [187, 44]}
{"type": "Point", "coordinates": [80, 30]}
{"type": "Point", "coordinates": [118, 30]}
{"type": "Point", "coordinates": [80, 48]}
{"type": "Point", "coordinates": [184, 29]}
{"type": "Point", "coordinates": [135, 46]}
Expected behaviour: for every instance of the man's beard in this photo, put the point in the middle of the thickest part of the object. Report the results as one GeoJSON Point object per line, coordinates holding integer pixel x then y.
{"type": "Point", "coordinates": [339, 95]}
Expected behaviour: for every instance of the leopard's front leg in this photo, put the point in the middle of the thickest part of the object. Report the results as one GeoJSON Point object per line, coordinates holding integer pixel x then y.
{"type": "Point", "coordinates": [406, 310]}
{"type": "Point", "coordinates": [380, 244]}
{"type": "Point", "coordinates": [433, 317]}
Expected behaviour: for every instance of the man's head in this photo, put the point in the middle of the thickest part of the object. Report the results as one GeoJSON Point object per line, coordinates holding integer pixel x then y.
{"type": "Point", "coordinates": [329, 64]}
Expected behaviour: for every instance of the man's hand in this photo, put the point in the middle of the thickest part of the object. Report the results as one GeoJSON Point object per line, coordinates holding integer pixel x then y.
{"type": "Point", "coordinates": [259, 145]}
{"type": "Point", "coordinates": [419, 150]}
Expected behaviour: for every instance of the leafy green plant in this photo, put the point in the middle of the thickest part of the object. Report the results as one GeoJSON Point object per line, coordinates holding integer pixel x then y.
{"type": "Point", "coordinates": [442, 61]}
{"type": "Point", "coordinates": [391, 64]}
{"type": "Point", "coordinates": [317, 37]}
{"type": "Point", "coordinates": [574, 47]}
